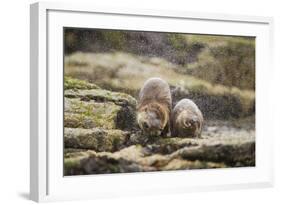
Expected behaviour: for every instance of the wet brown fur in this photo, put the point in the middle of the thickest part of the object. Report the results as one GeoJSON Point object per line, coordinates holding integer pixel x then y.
{"type": "Point", "coordinates": [155, 96]}
{"type": "Point", "coordinates": [181, 113]}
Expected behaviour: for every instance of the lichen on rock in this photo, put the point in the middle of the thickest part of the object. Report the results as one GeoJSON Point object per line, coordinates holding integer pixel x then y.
{"type": "Point", "coordinates": [90, 114]}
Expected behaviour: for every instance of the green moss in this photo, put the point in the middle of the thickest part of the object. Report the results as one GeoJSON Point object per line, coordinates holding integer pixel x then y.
{"type": "Point", "coordinates": [90, 114]}
{"type": "Point", "coordinates": [72, 83]}
{"type": "Point", "coordinates": [116, 96]}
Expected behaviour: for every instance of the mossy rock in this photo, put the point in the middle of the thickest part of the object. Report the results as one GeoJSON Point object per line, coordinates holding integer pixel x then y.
{"type": "Point", "coordinates": [89, 114]}
{"type": "Point", "coordinates": [72, 83]}
{"type": "Point", "coordinates": [233, 151]}
{"type": "Point", "coordinates": [97, 139]}
{"type": "Point", "coordinates": [100, 95]}
{"type": "Point", "coordinates": [103, 163]}
{"type": "Point", "coordinates": [85, 108]}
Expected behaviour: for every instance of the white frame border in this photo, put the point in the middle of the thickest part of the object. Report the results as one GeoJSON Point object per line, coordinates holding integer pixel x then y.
{"type": "Point", "coordinates": [38, 82]}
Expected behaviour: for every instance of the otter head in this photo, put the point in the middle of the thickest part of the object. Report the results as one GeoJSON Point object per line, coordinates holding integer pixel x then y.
{"type": "Point", "coordinates": [188, 123]}
{"type": "Point", "coordinates": [150, 120]}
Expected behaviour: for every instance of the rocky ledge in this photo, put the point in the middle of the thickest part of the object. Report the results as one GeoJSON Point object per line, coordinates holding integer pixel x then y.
{"type": "Point", "coordinates": [101, 136]}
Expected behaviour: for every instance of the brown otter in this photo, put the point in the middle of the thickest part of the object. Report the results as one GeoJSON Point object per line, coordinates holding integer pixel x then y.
{"type": "Point", "coordinates": [187, 119]}
{"type": "Point", "coordinates": [154, 107]}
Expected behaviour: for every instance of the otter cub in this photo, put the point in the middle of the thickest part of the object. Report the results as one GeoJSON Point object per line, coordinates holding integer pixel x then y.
{"type": "Point", "coordinates": [187, 119]}
{"type": "Point", "coordinates": [154, 107]}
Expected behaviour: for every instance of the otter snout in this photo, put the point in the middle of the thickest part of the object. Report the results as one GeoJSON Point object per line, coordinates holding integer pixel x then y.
{"type": "Point", "coordinates": [141, 118]}
{"type": "Point", "coordinates": [150, 129]}
{"type": "Point", "coordinates": [149, 125]}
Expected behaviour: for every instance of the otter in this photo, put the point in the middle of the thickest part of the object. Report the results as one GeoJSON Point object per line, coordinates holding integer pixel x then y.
{"type": "Point", "coordinates": [186, 120]}
{"type": "Point", "coordinates": [154, 107]}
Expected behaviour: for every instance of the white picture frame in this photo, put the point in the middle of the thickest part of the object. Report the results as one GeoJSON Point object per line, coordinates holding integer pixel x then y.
{"type": "Point", "coordinates": [47, 182]}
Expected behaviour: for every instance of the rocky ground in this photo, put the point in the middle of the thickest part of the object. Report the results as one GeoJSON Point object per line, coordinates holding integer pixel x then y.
{"type": "Point", "coordinates": [101, 136]}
